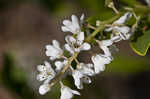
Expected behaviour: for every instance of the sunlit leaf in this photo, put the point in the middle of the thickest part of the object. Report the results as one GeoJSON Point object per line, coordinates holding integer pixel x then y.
{"type": "Point", "coordinates": [141, 44]}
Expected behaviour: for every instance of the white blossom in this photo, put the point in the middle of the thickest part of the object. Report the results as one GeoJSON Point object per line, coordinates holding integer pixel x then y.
{"type": "Point", "coordinates": [72, 26]}
{"type": "Point", "coordinates": [44, 89]}
{"type": "Point", "coordinates": [120, 32]}
{"type": "Point", "coordinates": [59, 65]}
{"type": "Point", "coordinates": [124, 32]}
{"type": "Point", "coordinates": [99, 61]}
{"type": "Point", "coordinates": [76, 45]}
{"type": "Point", "coordinates": [104, 44]}
{"type": "Point", "coordinates": [46, 72]}
{"type": "Point", "coordinates": [79, 78]}
{"type": "Point", "coordinates": [86, 69]}
{"type": "Point", "coordinates": [54, 50]}
{"type": "Point", "coordinates": [67, 93]}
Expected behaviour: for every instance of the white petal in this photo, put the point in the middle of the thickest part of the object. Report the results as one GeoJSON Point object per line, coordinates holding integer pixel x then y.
{"type": "Point", "coordinates": [68, 48]}
{"type": "Point", "coordinates": [47, 64]}
{"type": "Point", "coordinates": [49, 69]}
{"type": "Point", "coordinates": [69, 39]}
{"type": "Point", "coordinates": [52, 58]}
{"type": "Point", "coordinates": [108, 29]}
{"type": "Point", "coordinates": [41, 68]}
{"type": "Point", "coordinates": [100, 61]}
{"type": "Point", "coordinates": [82, 18]}
{"type": "Point", "coordinates": [106, 50]}
{"type": "Point", "coordinates": [124, 18]}
{"type": "Point", "coordinates": [53, 51]}
{"type": "Point", "coordinates": [77, 75]}
{"type": "Point", "coordinates": [106, 42]}
{"type": "Point", "coordinates": [99, 68]}
{"type": "Point", "coordinates": [67, 93]}
{"type": "Point", "coordinates": [49, 53]}
{"type": "Point", "coordinates": [56, 44]}
{"type": "Point", "coordinates": [85, 46]}
{"type": "Point", "coordinates": [90, 65]}
{"type": "Point", "coordinates": [67, 23]}
{"type": "Point", "coordinates": [58, 65]}
{"type": "Point", "coordinates": [75, 92]}
{"type": "Point", "coordinates": [97, 65]}
{"type": "Point", "coordinates": [65, 29]}
{"type": "Point", "coordinates": [80, 37]}
{"type": "Point", "coordinates": [123, 29]}
{"type": "Point", "coordinates": [87, 69]}
{"type": "Point", "coordinates": [42, 76]}
{"type": "Point", "coordinates": [44, 89]}
{"type": "Point", "coordinates": [116, 38]}
{"type": "Point", "coordinates": [124, 32]}
{"type": "Point", "coordinates": [75, 23]}
{"type": "Point", "coordinates": [49, 47]}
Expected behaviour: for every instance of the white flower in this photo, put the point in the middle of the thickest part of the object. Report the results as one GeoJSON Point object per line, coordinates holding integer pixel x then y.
{"type": "Point", "coordinates": [86, 69]}
{"type": "Point", "coordinates": [104, 46]}
{"type": "Point", "coordinates": [99, 61]}
{"type": "Point", "coordinates": [124, 32]}
{"type": "Point", "coordinates": [79, 78]}
{"type": "Point", "coordinates": [76, 45]}
{"type": "Point", "coordinates": [59, 65]}
{"type": "Point", "coordinates": [67, 93]}
{"type": "Point", "coordinates": [54, 50]}
{"type": "Point", "coordinates": [72, 26]}
{"type": "Point", "coordinates": [120, 32]}
{"type": "Point", "coordinates": [46, 72]}
{"type": "Point", "coordinates": [44, 89]}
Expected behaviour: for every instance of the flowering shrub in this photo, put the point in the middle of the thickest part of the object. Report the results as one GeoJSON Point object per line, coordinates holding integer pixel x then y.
{"type": "Point", "coordinates": [81, 39]}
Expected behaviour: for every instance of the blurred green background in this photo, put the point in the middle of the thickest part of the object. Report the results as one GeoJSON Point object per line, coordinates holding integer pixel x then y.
{"type": "Point", "coordinates": [26, 26]}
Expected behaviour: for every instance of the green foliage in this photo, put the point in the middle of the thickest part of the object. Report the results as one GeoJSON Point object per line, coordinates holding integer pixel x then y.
{"type": "Point", "coordinates": [96, 6]}
{"type": "Point", "coordinates": [101, 17]}
{"type": "Point", "coordinates": [128, 65]}
{"type": "Point", "coordinates": [141, 44]}
{"type": "Point", "coordinates": [130, 2]}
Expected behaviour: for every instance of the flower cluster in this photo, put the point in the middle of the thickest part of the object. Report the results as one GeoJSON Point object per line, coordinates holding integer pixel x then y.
{"type": "Point", "coordinates": [75, 43]}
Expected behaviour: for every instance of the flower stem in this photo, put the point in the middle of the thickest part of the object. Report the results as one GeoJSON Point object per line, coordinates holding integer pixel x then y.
{"type": "Point", "coordinates": [59, 76]}
{"type": "Point", "coordinates": [101, 27]}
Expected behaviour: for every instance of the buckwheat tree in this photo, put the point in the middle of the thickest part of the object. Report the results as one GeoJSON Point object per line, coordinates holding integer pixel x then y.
{"type": "Point", "coordinates": [83, 36]}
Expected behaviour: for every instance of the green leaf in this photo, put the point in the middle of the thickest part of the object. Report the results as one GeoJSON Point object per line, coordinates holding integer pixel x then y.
{"type": "Point", "coordinates": [129, 2]}
{"type": "Point", "coordinates": [141, 44]}
{"type": "Point", "coordinates": [101, 17]}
